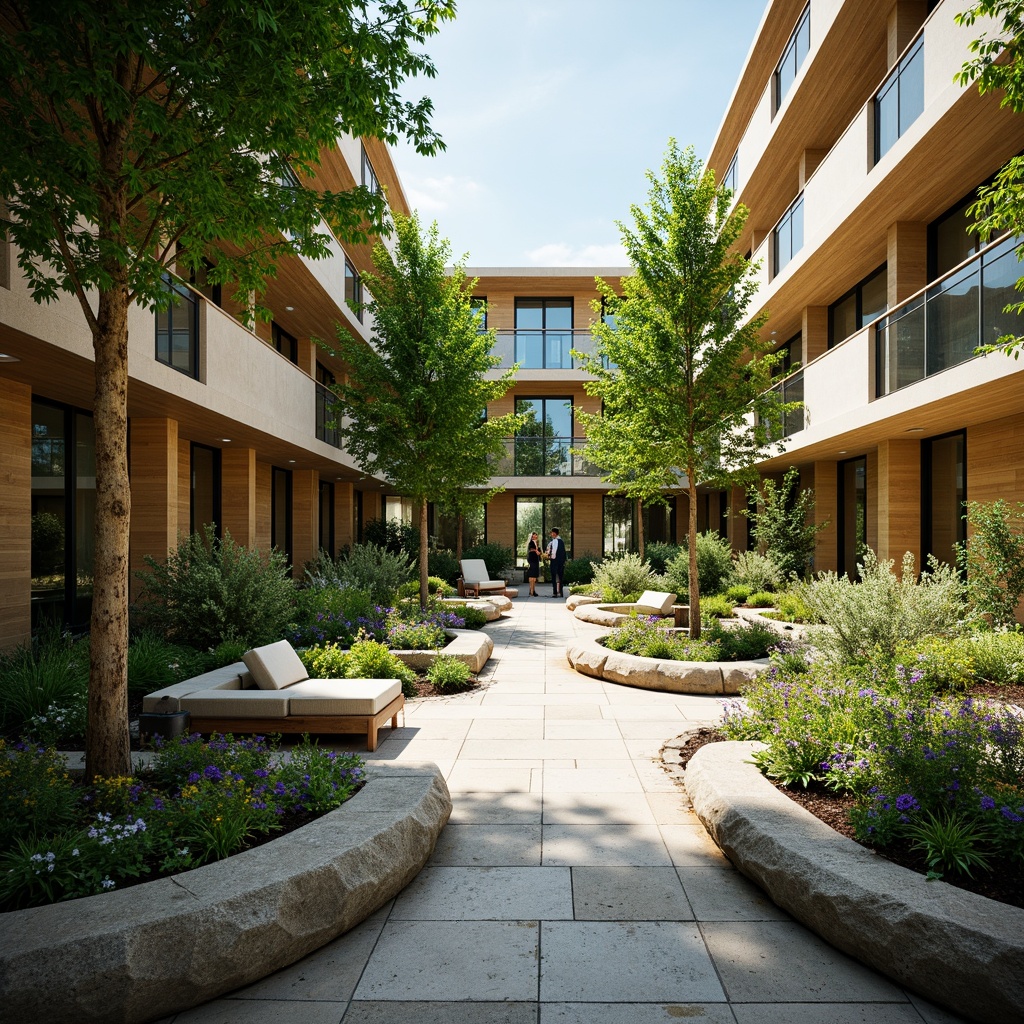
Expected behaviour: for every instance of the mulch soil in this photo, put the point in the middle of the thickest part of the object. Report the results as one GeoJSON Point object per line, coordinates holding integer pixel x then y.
{"type": "Point", "coordinates": [1005, 883]}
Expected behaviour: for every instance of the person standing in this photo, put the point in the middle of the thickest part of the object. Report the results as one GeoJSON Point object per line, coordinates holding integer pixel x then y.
{"type": "Point", "coordinates": [533, 558]}
{"type": "Point", "coordinates": [556, 553]}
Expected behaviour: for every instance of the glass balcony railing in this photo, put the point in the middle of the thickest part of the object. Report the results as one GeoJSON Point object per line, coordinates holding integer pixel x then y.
{"type": "Point", "coordinates": [541, 350]}
{"type": "Point", "coordinates": [942, 326]}
{"type": "Point", "coordinates": [543, 456]}
{"type": "Point", "coordinates": [325, 416]}
{"type": "Point", "coordinates": [789, 390]}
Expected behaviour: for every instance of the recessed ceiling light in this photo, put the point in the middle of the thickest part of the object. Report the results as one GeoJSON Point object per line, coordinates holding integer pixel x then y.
{"type": "Point", "coordinates": [291, 460]}
{"type": "Point", "coordinates": [226, 440]}
{"type": "Point", "coordinates": [843, 452]}
{"type": "Point", "coordinates": [5, 358]}
{"type": "Point", "coordinates": [290, 309]}
{"type": "Point", "coordinates": [915, 430]}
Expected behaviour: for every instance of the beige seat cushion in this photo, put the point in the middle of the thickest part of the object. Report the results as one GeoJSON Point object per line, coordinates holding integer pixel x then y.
{"type": "Point", "coordinates": [654, 602]}
{"type": "Point", "coordinates": [474, 570]}
{"type": "Point", "coordinates": [275, 666]}
{"type": "Point", "coordinates": [228, 677]}
{"type": "Point", "coordinates": [341, 696]}
{"type": "Point", "coordinates": [489, 585]}
{"type": "Point", "coordinates": [236, 704]}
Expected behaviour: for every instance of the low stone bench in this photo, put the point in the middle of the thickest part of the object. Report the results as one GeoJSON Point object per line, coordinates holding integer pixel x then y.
{"type": "Point", "coordinates": [471, 646]}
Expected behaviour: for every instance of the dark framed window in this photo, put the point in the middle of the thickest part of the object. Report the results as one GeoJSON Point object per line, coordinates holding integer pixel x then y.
{"type": "Point", "coordinates": [853, 513]}
{"type": "Point", "coordinates": [864, 302]}
{"type": "Point", "coordinates": [900, 101]}
{"type": "Point", "coordinates": [950, 240]}
{"type": "Point", "coordinates": [204, 488]}
{"type": "Point", "coordinates": [618, 520]}
{"type": "Point", "coordinates": [543, 442]}
{"type": "Point", "coordinates": [943, 495]}
{"type": "Point", "coordinates": [353, 290]}
{"type": "Point", "coordinates": [792, 355]}
{"type": "Point", "coordinates": [357, 516]}
{"type": "Point", "coordinates": [792, 58]}
{"type": "Point", "coordinates": [326, 517]}
{"type": "Point", "coordinates": [729, 180]}
{"type": "Point", "coordinates": [367, 173]}
{"type": "Point", "coordinates": [660, 522]}
{"type": "Point", "coordinates": [478, 304]}
{"type": "Point", "coordinates": [281, 511]}
{"type": "Point", "coordinates": [63, 515]}
{"type": "Point", "coordinates": [539, 514]}
{"type": "Point", "coordinates": [788, 235]}
{"type": "Point", "coordinates": [544, 334]}
{"type": "Point", "coordinates": [177, 329]}
{"type": "Point", "coordinates": [200, 280]}
{"type": "Point", "coordinates": [287, 345]}
{"type": "Point", "coordinates": [288, 179]}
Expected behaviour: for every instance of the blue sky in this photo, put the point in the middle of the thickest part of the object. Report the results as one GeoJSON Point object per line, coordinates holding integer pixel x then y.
{"type": "Point", "coordinates": [552, 110]}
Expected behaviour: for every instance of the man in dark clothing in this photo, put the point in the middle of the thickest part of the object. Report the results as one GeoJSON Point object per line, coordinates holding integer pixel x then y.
{"type": "Point", "coordinates": [556, 554]}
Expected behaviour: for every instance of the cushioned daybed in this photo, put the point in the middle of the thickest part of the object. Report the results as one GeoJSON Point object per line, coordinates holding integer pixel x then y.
{"type": "Point", "coordinates": [269, 691]}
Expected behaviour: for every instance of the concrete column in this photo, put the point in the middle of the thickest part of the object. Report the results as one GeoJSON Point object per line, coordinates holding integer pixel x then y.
{"type": "Point", "coordinates": [899, 500]}
{"type": "Point", "coordinates": [814, 332]}
{"type": "Point", "coordinates": [238, 494]}
{"type": "Point", "coordinates": [154, 482]}
{"type": "Point", "coordinates": [907, 260]}
{"type": "Point", "coordinates": [824, 478]}
{"type": "Point", "coordinates": [305, 518]}
{"type": "Point", "coordinates": [15, 512]}
{"type": "Point", "coordinates": [905, 18]}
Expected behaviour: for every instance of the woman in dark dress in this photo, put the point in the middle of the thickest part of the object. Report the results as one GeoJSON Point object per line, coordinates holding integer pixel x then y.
{"type": "Point", "coordinates": [533, 557]}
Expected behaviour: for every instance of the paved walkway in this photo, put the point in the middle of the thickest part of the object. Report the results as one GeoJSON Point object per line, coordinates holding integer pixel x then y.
{"type": "Point", "coordinates": [573, 884]}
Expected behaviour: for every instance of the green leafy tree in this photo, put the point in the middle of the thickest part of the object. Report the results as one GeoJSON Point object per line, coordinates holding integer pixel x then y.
{"type": "Point", "coordinates": [414, 403]}
{"type": "Point", "coordinates": [144, 137]}
{"type": "Point", "coordinates": [998, 66]}
{"type": "Point", "coordinates": [993, 559]}
{"type": "Point", "coordinates": [683, 362]}
{"type": "Point", "coordinates": [783, 522]}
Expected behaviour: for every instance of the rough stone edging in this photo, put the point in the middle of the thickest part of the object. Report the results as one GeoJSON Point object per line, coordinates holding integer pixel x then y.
{"type": "Point", "coordinates": [161, 947]}
{"type": "Point", "coordinates": [472, 646]}
{"type": "Point", "coordinates": [721, 678]}
{"type": "Point", "coordinates": [952, 946]}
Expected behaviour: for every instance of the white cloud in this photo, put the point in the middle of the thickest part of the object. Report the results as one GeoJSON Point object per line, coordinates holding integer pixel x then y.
{"type": "Point", "coordinates": [434, 195]}
{"type": "Point", "coordinates": [559, 254]}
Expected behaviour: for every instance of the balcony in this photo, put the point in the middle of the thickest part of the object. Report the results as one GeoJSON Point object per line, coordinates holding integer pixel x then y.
{"type": "Point", "coordinates": [942, 326]}
{"type": "Point", "coordinates": [543, 456]}
{"type": "Point", "coordinates": [790, 390]}
{"type": "Point", "coordinates": [542, 349]}
{"type": "Point", "coordinates": [325, 416]}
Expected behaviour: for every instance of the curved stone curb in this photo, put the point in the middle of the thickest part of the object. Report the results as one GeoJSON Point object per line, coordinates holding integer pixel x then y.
{"type": "Point", "coordinates": [473, 646]}
{"type": "Point", "coordinates": [590, 658]}
{"type": "Point", "coordinates": [489, 608]}
{"type": "Point", "coordinates": [952, 946]}
{"type": "Point", "coordinates": [164, 946]}
{"type": "Point", "coordinates": [792, 630]}
{"type": "Point", "coordinates": [605, 614]}
{"type": "Point", "coordinates": [573, 601]}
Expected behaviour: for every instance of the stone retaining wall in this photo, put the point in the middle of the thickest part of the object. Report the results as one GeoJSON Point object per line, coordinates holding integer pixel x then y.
{"type": "Point", "coordinates": [952, 946]}
{"type": "Point", "coordinates": [161, 947]}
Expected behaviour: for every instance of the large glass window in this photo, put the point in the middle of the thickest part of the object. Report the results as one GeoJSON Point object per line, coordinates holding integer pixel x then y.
{"type": "Point", "coordinates": [900, 101]}
{"type": "Point", "coordinates": [950, 240]}
{"type": "Point", "coordinates": [204, 489]}
{"type": "Point", "coordinates": [368, 174]}
{"type": "Point", "coordinates": [619, 522]}
{"type": "Point", "coordinates": [478, 304]}
{"type": "Point", "coordinates": [63, 514]}
{"type": "Point", "coordinates": [285, 343]}
{"type": "Point", "coordinates": [543, 443]}
{"type": "Point", "coordinates": [788, 236]}
{"type": "Point", "coordinates": [544, 334]}
{"type": "Point", "coordinates": [944, 485]}
{"type": "Point", "coordinates": [660, 522]}
{"type": "Point", "coordinates": [853, 513]}
{"type": "Point", "coordinates": [281, 511]}
{"type": "Point", "coordinates": [863, 303]}
{"type": "Point", "coordinates": [540, 514]}
{"type": "Point", "coordinates": [729, 178]}
{"type": "Point", "coordinates": [177, 329]}
{"type": "Point", "coordinates": [353, 290]}
{"type": "Point", "coordinates": [797, 48]}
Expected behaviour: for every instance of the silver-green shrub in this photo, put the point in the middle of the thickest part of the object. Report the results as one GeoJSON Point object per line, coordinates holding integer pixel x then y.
{"type": "Point", "coordinates": [874, 617]}
{"type": "Point", "coordinates": [375, 570]}
{"type": "Point", "coordinates": [756, 571]}
{"type": "Point", "coordinates": [622, 577]}
{"type": "Point", "coordinates": [714, 566]}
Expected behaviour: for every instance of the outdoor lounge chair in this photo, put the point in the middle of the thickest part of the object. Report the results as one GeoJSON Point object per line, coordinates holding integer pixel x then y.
{"type": "Point", "coordinates": [475, 581]}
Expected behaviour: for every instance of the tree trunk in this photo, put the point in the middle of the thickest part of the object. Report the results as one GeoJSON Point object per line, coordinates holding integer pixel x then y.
{"type": "Point", "coordinates": [424, 568]}
{"type": "Point", "coordinates": [692, 541]}
{"type": "Point", "coordinates": [640, 527]}
{"type": "Point", "coordinates": [107, 748]}
{"type": "Point", "coordinates": [458, 537]}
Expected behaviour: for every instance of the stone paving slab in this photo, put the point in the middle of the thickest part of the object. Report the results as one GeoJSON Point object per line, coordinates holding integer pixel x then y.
{"type": "Point", "coordinates": [493, 845]}
{"type": "Point", "coordinates": [604, 845]}
{"type": "Point", "coordinates": [441, 1013]}
{"type": "Point", "coordinates": [628, 894]}
{"type": "Point", "coordinates": [633, 1013]}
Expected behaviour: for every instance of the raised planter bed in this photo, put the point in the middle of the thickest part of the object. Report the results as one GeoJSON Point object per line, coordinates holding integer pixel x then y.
{"type": "Point", "coordinates": [590, 658]}
{"type": "Point", "coordinates": [488, 606]}
{"type": "Point", "coordinates": [952, 946]}
{"type": "Point", "coordinates": [471, 646]}
{"type": "Point", "coordinates": [161, 947]}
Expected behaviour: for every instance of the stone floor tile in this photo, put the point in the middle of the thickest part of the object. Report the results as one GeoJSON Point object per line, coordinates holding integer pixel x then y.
{"type": "Point", "coordinates": [441, 1013]}
{"type": "Point", "coordinates": [781, 961]}
{"type": "Point", "coordinates": [488, 845]}
{"type": "Point", "coordinates": [723, 894]}
{"type": "Point", "coordinates": [672, 808]}
{"type": "Point", "coordinates": [493, 781]}
{"type": "Point", "coordinates": [432, 729]}
{"type": "Point", "coordinates": [645, 728]}
{"type": "Point", "coordinates": [262, 1011]}
{"type": "Point", "coordinates": [604, 845]}
{"type": "Point", "coordinates": [493, 698]}
{"type": "Point", "coordinates": [524, 682]}
{"type": "Point", "coordinates": [486, 894]}
{"type": "Point", "coordinates": [329, 973]}
{"type": "Point", "coordinates": [691, 846]}
{"type": "Point", "coordinates": [628, 894]}
{"type": "Point", "coordinates": [497, 809]}
{"type": "Point", "coordinates": [932, 1014]}
{"type": "Point", "coordinates": [647, 961]}
{"type": "Point", "coordinates": [596, 809]}
{"type": "Point", "coordinates": [453, 960]}
{"type": "Point", "coordinates": [507, 729]}
{"type": "Point", "coordinates": [633, 1013]}
{"type": "Point", "coordinates": [476, 764]}
{"type": "Point", "coordinates": [588, 729]}
{"type": "Point", "coordinates": [472, 713]}
{"type": "Point", "coordinates": [595, 749]}
{"type": "Point", "coordinates": [668, 713]}
{"type": "Point", "coordinates": [608, 780]}
{"type": "Point", "coordinates": [647, 748]}
{"type": "Point", "coordinates": [420, 750]}
{"type": "Point", "coordinates": [825, 1013]}
{"type": "Point", "coordinates": [575, 712]}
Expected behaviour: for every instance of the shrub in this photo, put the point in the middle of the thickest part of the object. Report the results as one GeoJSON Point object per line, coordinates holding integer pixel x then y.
{"type": "Point", "coordinates": [714, 566]}
{"type": "Point", "coordinates": [998, 657]}
{"type": "Point", "coordinates": [580, 570]}
{"type": "Point", "coordinates": [334, 613]}
{"type": "Point", "coordinates": [937, 663]}
{"type": "Point", "coordinates": [327, 662]}
{"type": "Point", "coordinates": [435, 587]}
{"type": "Point", "coordinates": [375, 570]}
{"type": "Point", "coordinates": [154, 663]}
{"type": "Point", "coordinates": [872, 618]}
{"type": "Point", "coordinates": [791, 607]}
{"type": "Point", "coordinates": [496, 557]}
{"type": "Point", "coordinates": [211, 589]}
{"type": "Point", "coordinates": [626, 575]}
{"type": "Point", "coordinates": [763, 599]}
{"type": "Point", "coordinates": [392, 535]}
{"type": "Point", "coordinates": [416, 636]}
{"type": "Point", "coordinates": [738, 593]}
{"type": "Point", "coordinates": [741, 643]}
{"type": "Point", "coordinates": [227, 652]}
{"type": "Point", "coordinates": [758, 572]}
{"type": "Point", "coordinates": [473, 617]}
{"type": "Point", "coordinates": [659, 554]}
{"type": "Point", "coordinates": [993, 558]}
{"type": "Point", "coordinates": [369, 659]}
{"type": "Point", "coordinates": [443, 566]}
{"type": "Point", "coordinates": [642, 636]}
{"type": "Point", "coordinates": [449, 675]}
{"type": "Point", "coordinates": [42, 677]}
{"type": "Point", "coordinates": [783, 523]}
{"type": "Point", "coordinates": [716, 607]}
